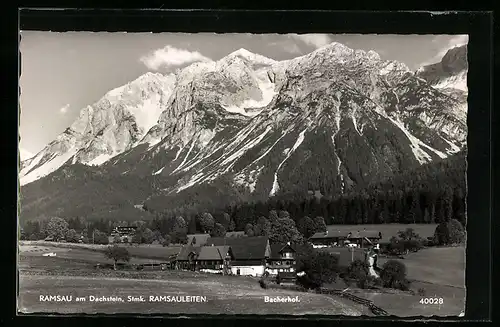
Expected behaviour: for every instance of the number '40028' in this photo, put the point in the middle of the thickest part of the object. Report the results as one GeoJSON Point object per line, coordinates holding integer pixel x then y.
{"type": "Point", "coordinates": [431, 300]}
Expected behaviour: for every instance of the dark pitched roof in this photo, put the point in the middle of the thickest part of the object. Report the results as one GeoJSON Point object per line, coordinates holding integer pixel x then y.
{"type": "Point", "coordinates": [243, 248]}
{"type": "Point", "coordinates": [277, 248]}
{"type": "Point", "coordinates": [236, 234]}
{"type": "Point", "coordinates": [186, 250]}
{"type": "Point", "coordinates": [213, 252]}
{"type": "Point", "coordinates": [332, 231]}
{"type": "Point", "coordinates": [201, 239]}
{"type": "Point", "coordinates": [364, 233]}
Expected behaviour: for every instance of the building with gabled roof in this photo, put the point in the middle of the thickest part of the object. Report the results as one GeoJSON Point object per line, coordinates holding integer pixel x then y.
{"type": "Point", "coordinates": [335, 237]}
{"type": "Point", "coordinates": [186, 259]}
{"type": "Point", "coordinates": [250, 253]}
{"type": "Point", "coordinates": [282, 259]}
{"type": "Point", "coordinates": [216, 258]}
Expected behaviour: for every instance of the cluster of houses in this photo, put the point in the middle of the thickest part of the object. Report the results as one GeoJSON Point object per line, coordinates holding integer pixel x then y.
{"type": "Point", "coordinates": [333, 237]}
{"type": "Point", "coordinates": [238, 254]}
{"type": "Point", "coordinates": [125, 233]}
{"type": "Point", "coordinates": [251, 256]}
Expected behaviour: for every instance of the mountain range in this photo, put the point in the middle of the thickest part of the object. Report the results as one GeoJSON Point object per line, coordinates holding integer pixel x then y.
{"type": "Point", "coordinates": [246, 128]}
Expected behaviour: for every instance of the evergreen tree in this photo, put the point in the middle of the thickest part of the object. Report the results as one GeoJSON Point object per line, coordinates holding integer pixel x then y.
{"type": "Point", "coordinates": [206, 222]}
{"type": "Point", "coordinates": [307, 227]}
{"type": "Point", "coordinates": [249, 229]}
{"type": "Point", "coordinates": [319, 224]}
{"type": "Point", "coordinates": [232, 226]}
{"type": "Point", "coordinates": [273, 216]}
{"type": "Point", "coordinates": [218, 231]}
{"type": "Point", "coordinates": [262, 227]}
{"type": "Point", "coordinates": [226, 219]}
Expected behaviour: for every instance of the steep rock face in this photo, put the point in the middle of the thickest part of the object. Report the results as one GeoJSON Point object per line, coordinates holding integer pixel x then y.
{"type": "Point", "coordinates": [108, 127]}
{"type": "Point", "coordinates": [333, 120]}
{"type": "Point", "coordinates": [449, 75]}
{"type": "Point", "coordinates": [366, 107]}
{"type": "Point", "coordinates": [450, 72]}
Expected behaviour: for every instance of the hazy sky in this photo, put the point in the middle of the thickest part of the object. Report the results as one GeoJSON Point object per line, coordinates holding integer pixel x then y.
{"type": "Point", "coordinates": [63, 72]}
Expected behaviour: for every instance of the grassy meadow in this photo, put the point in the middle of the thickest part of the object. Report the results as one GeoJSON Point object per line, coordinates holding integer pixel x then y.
{"type": "Point", "coordinates": [224, 294]}
{"type": "Point", "coordinates": [438, 271]}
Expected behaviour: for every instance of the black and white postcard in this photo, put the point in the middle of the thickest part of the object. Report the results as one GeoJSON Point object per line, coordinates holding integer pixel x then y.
{"type": "Point", "coordinates": [240, 173]}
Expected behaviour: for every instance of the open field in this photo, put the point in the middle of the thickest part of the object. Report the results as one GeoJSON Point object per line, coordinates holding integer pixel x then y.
{"type": "Point", "coordinates": [403, 304]}
{"type": "Point", "coordinates": [390, 230]}
{"type": "Point", "coordinates": [75, 254]}
{"type": "Point", "coordinates": [224, 294]}
{"type": "Point", "coordinates": [437, 265]}
{"type": "Point", "coordinates": [440, 272]}
{"type": "Point", "coordinates": [155, 252]}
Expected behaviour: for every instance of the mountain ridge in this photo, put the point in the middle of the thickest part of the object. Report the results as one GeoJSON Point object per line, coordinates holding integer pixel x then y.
{"type": "Point", "coordinates": [336, 119]}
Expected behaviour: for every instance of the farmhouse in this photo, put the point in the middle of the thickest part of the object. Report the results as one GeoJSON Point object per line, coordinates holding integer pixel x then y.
{"type": "Point", "coordinates": [215, 258]}
{"type": "Point", "coordinates": [330, 237]}
{"type": "Point", "coordinates": [197, 239]}
{"type": "Point", "coordinates": [186, 259]}
{"type": "Point", "coordinates": [282, 259]}
{"type": "Point", "coordinates": [250, 254]}
{"type": "Point", "coordinates": [334, 237]}
{"type": "Point", "coordinates": [125, 233]}
{"type": "Point", "coordinates": [364, 237]}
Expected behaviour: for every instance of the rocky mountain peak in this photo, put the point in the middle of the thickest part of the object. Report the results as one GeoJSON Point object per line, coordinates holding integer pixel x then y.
{"type": "Point", "coordinates": [449, 74]}
{"type": "Point", "coordinates": [455, 60]}
{"type": "Point", "coordinates": [232, 115]}
{"type": "Point", "coordinates": [252, 58]}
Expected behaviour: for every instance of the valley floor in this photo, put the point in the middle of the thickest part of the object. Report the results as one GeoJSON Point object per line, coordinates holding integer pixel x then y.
{"type": "Point", "coordinates": [440, 272]}
{"type": "Point", "coordinates": [224, 294]}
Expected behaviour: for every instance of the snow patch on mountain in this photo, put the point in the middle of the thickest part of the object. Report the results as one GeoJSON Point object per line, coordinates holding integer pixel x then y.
{"type": "Point", "coordinates": [99, 160]}
{"type": "Point", "coordinates": [48, 167]}
{"type": "Point", "coordinates": [185, 158]}
{"type": "Point", "coordinates": [151, 142]}
{"type": "Point", "coordinates": [233, 157]}
{"type": "Point", "coordinates": [253, 58]}
{"type": "Point", "coordinates": [158, 171]}
{"type": "Point", "coordinates": [298, 142]}
{"type": "Point", "coordinates": [178, 152]}
{"type": "Point", "coordinates": [116, 92]}
{"type": "Point", "coordinates": [193, 163]}
{"type": "Point", "coordinates": [268, 150]}
{"type": "Point", "coordinates": [195, 179]}
{"type": "Point", "coordinates": [458, 81]}
{"type": "Point", "coordinates": [268, 92]}
{"type": "Point", "coordinates": [147, 115]}
{"type": "Point", "coordinates": [248, 179]}
{"type": "Point", "coordinates": [453, 147]}
{"type": "Point", "coordinates": [24, 154]}
{"type": "Point", "coordinates": [416, 145]}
